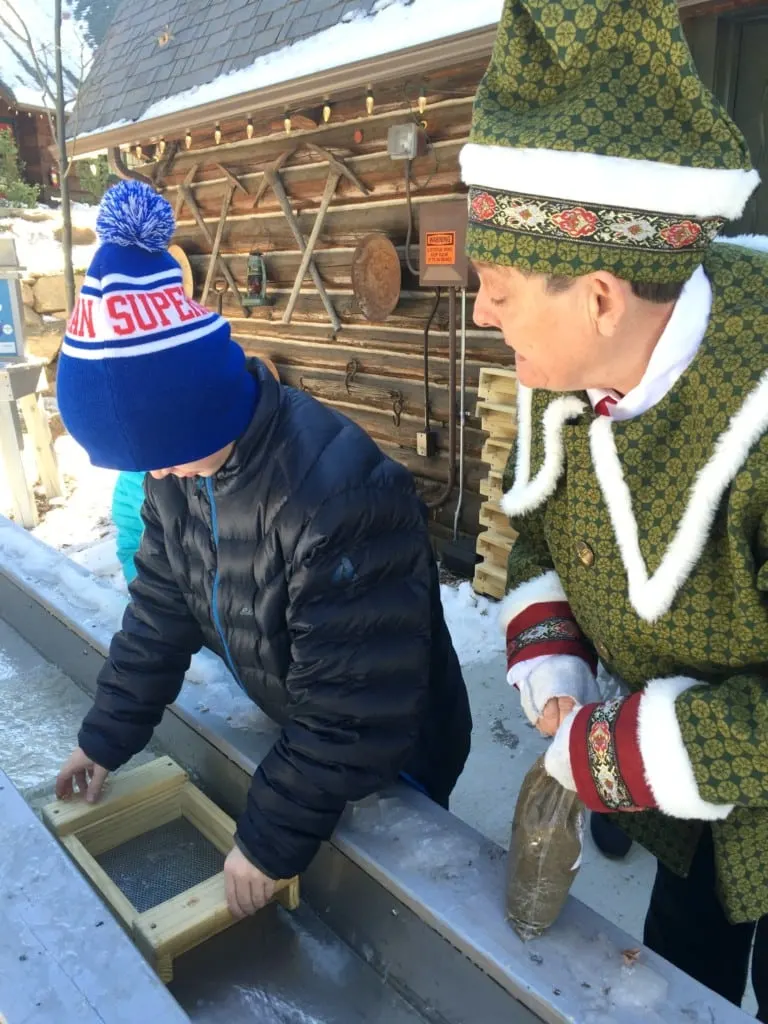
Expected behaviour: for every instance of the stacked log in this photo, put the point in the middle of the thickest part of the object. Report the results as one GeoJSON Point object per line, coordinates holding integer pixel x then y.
{"type": "Point", "coordinates": [497, 413]}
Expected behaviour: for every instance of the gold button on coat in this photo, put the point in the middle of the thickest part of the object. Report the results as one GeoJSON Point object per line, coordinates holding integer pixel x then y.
{"type": "Point", "coordinates": [585, 553]}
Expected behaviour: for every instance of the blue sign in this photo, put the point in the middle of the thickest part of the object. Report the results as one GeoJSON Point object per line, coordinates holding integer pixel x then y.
{"type": "Point", "coordinates": [10, 343]}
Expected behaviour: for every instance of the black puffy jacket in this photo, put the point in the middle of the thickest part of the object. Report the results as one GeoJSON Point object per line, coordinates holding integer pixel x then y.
{"type": "Point", "coordinates": [306, 565]}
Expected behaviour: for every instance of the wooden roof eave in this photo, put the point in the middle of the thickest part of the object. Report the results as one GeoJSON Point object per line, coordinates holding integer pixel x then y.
{"type": "Point", "coordinates": [298, 92]}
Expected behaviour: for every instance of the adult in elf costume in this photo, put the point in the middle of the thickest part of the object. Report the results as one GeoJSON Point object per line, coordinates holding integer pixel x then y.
{"type": "Point", "coordinates": [600, 172]}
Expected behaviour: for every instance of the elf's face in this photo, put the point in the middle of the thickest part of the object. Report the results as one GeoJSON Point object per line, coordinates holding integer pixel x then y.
{"type": "Point", "coordinates": [206, 467]}
{"type": "Point", "coordinates": [564, 340]}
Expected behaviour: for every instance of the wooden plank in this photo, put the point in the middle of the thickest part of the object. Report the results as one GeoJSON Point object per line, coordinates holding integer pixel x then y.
{"type": "Point", "coordinates": [217, 244]}
{"type": "Point", "coordinates": [106, 834]}
{"type": "Point", "coordinates": [277, 187]}
{"type": "Point", "coordinates": [491, 487]}
{"type": "Point", "coordinates": [493, 518]}
{"type": "Point", "coordinates": [36, 420]}
{"type": "Point", "coordinates": [181, 923]}
{"type": "Point", "coordinates": [190, 200]}
{"type": "Point", "coordinates": [234, 182]}
{"type": "Point", "coordinates": [189, 177]}
{"type": "Point", "coordinates": [490, 581]}
{"type": "Point", "coordinates": [497, 420]}
{"type": "Point", "coordinates": [10, 452]}
{"type": "Point", "coordinates": [108, 890]}
{"type": "Point", "coordinates": [161, 776]}
{"type": "Point", "coordinates": [499, 385]}
{"type": "Point", "coordinates": [496, 454]}
{"type": "Point", "coordinates": [494, 548]}
{"type": "Point", "coordinates": [330, 188]}
{"type": "Point", "coordinates": [217, 827]}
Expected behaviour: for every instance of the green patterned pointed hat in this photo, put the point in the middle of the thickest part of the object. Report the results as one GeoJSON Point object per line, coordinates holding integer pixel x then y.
{"type": "Point", "coordinates": [595, 145]}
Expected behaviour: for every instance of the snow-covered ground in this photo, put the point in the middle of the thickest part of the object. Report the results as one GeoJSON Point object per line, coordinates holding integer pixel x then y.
{"type": "Point", "coordinates": [37, 250]}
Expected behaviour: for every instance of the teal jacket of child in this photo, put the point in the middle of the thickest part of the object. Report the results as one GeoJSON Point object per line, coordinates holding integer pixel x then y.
{"type": "Point", "coordinates": [127, 499]}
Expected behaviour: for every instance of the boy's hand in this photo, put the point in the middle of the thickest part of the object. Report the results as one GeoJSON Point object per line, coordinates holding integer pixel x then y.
{"type": "Point", "coordinates": [248, 889]}
{"type": "Point", "coordinates": [88, 776]}
{"type": "Point", "coordinates": [555, 711]}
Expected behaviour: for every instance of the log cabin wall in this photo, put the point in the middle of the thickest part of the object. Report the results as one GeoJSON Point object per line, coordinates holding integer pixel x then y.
{"type": "Point", "coordinates": [372, 372]}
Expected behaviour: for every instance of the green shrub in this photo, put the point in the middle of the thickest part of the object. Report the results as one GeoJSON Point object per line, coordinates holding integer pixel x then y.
{"type": "Point", "coordinates": [14, 191]}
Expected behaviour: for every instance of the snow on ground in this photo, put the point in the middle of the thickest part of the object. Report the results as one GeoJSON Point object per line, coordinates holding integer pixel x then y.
{"type": "Point", "coordinates": [38, 251]}
{"type": "Point", "coordinates": [393, 25]}
{"type": "Point", "coordinates": [17, 67]}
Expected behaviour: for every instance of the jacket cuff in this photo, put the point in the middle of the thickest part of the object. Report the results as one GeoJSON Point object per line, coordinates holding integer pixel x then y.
{"type": "Point", "coordinates": [628, 754]}
{"type": "Point", "coordinates": [538, 621]}
{"type": "Point", "coordinates": [99, 750]}
{"type": "Point", "coordinates": [668, 768]}
{"type": "Point", "coordinates": [252, 859]}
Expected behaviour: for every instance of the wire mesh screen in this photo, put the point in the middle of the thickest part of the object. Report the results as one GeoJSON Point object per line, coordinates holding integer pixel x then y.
{"type": "Point", "coordinates": [158, 865]}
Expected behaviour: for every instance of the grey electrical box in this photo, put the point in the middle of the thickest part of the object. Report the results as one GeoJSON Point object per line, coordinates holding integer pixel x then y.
{"type": "Point", "coordinates": [406, 141]}
{"type": "Point", "coordinates": [11, 307]}
{"type": "Point", "coordinates": [443, 235]}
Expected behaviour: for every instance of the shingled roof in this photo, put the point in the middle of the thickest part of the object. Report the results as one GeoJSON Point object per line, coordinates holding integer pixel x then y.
{"type": "Point", "coordinates": [170, 56]}
{"type": "Point", "coordinates": [135, 67]}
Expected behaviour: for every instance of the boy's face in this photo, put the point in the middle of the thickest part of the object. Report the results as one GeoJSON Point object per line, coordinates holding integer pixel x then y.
{"type": "Point", "coordinates": [203, 467]}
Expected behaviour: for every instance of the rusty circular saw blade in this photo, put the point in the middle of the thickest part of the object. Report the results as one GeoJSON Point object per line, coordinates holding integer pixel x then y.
{"type": "Point", "coordinates": [376, 277]}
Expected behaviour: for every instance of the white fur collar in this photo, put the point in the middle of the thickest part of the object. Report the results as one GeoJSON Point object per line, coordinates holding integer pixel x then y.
{"type": "Point", "coordinates": [526, 494]}
{"type": "Point", "coordinates": [652, 596]}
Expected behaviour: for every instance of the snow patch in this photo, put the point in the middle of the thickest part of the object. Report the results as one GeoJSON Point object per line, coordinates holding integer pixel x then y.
{"type": "Point", "coordinates": [472, 622]}
{"type": "Point", "coordinates": [38, 251]}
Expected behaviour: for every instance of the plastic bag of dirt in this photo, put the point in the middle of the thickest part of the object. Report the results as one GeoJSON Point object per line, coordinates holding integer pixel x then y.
{"type": "Point", "coordinates": [544, 854]}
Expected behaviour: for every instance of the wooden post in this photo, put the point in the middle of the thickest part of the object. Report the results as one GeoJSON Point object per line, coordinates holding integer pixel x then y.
{"type": "Point", "coordinates": [33, 411]}
{"type": "Point", "coordinates": [275, 181]}
{"type": "Point", "coordinates": [330, 188]}
{"type": "Point", "coordinates": [192, 204]}
{"type": "Point", "coordinates": [225, 204]}
{"type": "Point", "coordinates": [10, 450]}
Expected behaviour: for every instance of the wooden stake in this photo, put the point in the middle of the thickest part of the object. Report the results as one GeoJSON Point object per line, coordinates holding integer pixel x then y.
{"type": "Point", "coordinates": [192, 204]}
{"type": "Point", "coordinates": [33, 411]}
{"type": "Point", "coordinates": [330, 188]}
{"type": "Point", "coordinates": [276, 183]}
{"type": "Point", "coordinates": [225, 205]}
{"type": "Point", "coordinates": [232, 179]}
{"type": "Point", "coordinates": [189, 177]}
{"type": "Point", "coordinates": [10, 451]}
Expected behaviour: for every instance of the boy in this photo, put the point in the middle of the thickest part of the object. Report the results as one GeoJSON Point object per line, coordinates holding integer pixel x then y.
{"type": "Point", "coordinates": [278, 535]}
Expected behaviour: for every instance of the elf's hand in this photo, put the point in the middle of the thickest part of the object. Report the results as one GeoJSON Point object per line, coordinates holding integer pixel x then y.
{"type": "Point", "coordinates": [586, 748]}
{"type": "Point", "coordinates": [248, 888]}
{"type": "Point", "coordinates": [556, 710]}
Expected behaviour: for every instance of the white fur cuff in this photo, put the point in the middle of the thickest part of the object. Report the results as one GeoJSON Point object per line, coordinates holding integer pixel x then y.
{"type": "Point", "coordinates": [554, 675]}
{"type": "Point", "coordinates": [546, 587]}
{"type": "Point", "coordinates": [668, 769]}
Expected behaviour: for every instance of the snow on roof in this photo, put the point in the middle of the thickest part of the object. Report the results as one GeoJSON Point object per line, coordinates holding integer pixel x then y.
{"type": "Point", "coordinates": [390, 26]}
{"type": "Point", "coordinates": [18, 74]}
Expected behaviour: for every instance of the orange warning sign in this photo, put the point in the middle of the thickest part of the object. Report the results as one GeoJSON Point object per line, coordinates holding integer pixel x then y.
{"type": "Point", "coordinates": [441, 248]}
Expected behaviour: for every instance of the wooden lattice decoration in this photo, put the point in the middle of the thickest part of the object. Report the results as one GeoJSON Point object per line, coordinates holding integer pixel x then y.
{"type": "Point", "coordinates": [140, 804]}
{"type": "Point", "coordinates": [497, 412]}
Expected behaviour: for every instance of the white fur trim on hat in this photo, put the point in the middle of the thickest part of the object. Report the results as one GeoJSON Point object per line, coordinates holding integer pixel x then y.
{"type": "Point", "coordinates": [646, 185]}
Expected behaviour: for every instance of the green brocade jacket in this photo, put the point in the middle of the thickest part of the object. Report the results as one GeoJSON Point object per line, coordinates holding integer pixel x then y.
{"type": "Point", "coordinates": [671, 509]}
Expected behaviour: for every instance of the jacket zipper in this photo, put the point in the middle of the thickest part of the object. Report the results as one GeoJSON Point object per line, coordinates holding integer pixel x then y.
{"type": "Point", "coordinates": [215, 594]}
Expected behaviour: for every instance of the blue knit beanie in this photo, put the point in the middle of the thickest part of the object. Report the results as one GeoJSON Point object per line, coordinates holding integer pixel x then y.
{"type": "Point", "coordinates": [148, 379]}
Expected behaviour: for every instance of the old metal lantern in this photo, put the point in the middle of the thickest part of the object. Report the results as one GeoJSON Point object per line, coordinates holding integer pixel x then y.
{"type": "Point", "coordinates": [256, 281]}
